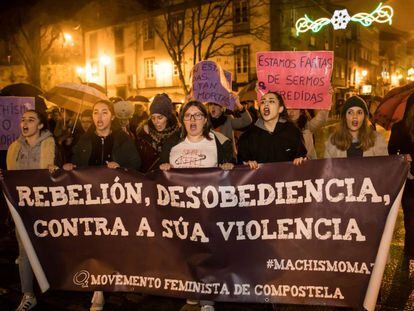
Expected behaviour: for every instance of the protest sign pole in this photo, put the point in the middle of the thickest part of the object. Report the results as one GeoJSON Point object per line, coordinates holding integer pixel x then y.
{"type": "Point", "coordinates": [374, 285]}
{"type": "Point", "coordinates": [31, 254]}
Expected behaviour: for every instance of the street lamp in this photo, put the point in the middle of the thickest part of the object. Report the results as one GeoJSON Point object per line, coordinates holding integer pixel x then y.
{"type": "Point", "coordinates": [105, 60]}
{"type": "Point", "coordinates": [68, 39]}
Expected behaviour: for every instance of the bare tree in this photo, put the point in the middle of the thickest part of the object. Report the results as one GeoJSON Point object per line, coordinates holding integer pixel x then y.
{"type": "Point", "coordinates": [31, 30]}
{"type": "Point", "coordinates": [205, 27]}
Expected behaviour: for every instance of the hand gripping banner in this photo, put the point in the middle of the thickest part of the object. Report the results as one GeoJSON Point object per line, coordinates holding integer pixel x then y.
{"type": "Point", "coordinates": [315, 234]}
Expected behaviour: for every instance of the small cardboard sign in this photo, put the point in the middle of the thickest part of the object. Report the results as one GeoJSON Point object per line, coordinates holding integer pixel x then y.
{"type": "Point", "coordinates": [302, 78]}
{"type": "Point", "coordinates": [210, 83]}
{"type": "Point", "coordinates": [11, 111]}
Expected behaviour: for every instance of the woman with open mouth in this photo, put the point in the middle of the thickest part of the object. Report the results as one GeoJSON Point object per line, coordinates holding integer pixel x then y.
{"type": "Point", "coordinates": [104, 146]}
{"type": "Point", "coordinates": [197, 146]}
{"type": "Point", "coordinates": [354, 136]}
{"type": "Point", "coordinates": [272, 138]}
{"type": "Point", "coordinates": [34, 149]}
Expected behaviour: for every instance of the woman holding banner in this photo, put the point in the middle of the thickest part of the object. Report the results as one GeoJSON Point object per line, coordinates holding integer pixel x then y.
{"type": "Point", "coordinates": [273, 138]}
{"type": "Point", "coordinates": [104, 147]}
{"type": "Point", "coordinates": [353, 135]}
{"type": "Point", "coordinates": [197, 147]}
{"type": "Point", "coordinates": [402, 142]}
{"type": "Point", "coordinates": [34, 149]}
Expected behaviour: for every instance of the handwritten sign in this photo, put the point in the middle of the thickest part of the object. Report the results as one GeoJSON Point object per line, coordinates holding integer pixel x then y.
{"type": "Point", "coordinates": [210, 84]}
{"type": "Point", "coordinates": [302, 78]}
{"type": "Point", "coordinates": [11, 111]}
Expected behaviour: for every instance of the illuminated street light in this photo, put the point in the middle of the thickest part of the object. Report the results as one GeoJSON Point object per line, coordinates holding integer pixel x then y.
{"type": "Point", "coordinates": [163, 73]}
{"type": "Point", "coordinates": [80, 70]}
{"type": "Point", "coordinates": [105, 60]}
{"type": "Point", "coordinates": [68, 39]}
{"type": "Point", "coordinates": [364, 73]}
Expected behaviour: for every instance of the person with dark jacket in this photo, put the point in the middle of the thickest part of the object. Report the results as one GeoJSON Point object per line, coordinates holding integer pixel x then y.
{"type": "Point", "coordinates": [272, 138]}
{"type": "Point", "coordinates": [104, 147]}
{"type": "Point", "coordinates": [402, 142]}
{"type": "Point", "coordinates": [155, 131]}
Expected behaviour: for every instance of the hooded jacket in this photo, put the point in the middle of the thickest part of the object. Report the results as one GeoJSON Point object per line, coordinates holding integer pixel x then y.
{"type": "Point", "coordinates": [22, 156]}
{"type": "Point", "coordinates": [283, 144]}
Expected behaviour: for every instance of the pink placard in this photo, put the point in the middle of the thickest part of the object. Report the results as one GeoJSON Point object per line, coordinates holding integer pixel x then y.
{"type": "Point", "coordinates": [302, 78]}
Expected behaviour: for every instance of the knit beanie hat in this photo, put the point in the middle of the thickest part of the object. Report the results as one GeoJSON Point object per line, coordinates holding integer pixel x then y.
{"type": "Point", "coordinates": [162, 104]}
{"type": "Point", "coordinates": [355, 101]}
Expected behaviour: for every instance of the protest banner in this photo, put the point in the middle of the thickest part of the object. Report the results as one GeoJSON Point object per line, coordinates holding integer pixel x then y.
{"type": "Point", "coordinates": [11, 111]}
{"type": "Point", "coordinates": [302, 78]}
{"type": "Point", "coordinates": [210, 83]}
{"type": "Point", "coordinates": [317, 234]}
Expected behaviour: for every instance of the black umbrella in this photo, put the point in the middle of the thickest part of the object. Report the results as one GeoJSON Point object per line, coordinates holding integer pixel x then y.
{"type": "Point", "coordinates": [138, 98]}
{"type": "Point", "coordinates": [25, 89]}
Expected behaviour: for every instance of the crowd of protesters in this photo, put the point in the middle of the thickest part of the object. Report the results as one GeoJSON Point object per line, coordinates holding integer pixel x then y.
{"type": "Point", "coordinates": [200, 135]}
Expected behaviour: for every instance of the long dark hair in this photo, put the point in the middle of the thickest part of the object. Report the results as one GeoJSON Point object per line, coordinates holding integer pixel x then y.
{"type": "Point", "coordinates": [279, 97]}
{"type": "Point", "coordinates": [342, 138]}
{"type": "Point", "coordinates": [203, 110]}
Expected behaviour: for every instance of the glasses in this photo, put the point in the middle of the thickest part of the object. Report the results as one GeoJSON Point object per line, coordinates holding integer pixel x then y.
{"type": "Point", "coordinates": [196, 116]}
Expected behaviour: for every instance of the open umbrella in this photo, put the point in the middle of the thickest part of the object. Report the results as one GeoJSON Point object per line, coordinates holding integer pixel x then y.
{"type": "Point", "coordinates": [25, 89]}
{"type": "Point", "coordinates": [138, 98]}
{"type": "Point", "coordinates": [392, 107]}
{"type": "Point", "coordinates": [248, 92]}
{"type": "Point", "coordinates": [75, 97]}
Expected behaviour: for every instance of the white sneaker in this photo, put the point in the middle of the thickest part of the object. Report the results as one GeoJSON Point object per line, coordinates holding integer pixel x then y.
{"type": "Point", "coordinates": [28, 302]}
{"type": "Point", "coordinates": [98, 301]}
{"type": "Point", "coordinates": [207, 308]}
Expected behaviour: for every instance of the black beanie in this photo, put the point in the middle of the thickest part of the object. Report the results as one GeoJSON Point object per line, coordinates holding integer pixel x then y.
{"type": "Point", "coordinates": [162, 104]}
{"type": "Point", "coordinates": [355, 101]}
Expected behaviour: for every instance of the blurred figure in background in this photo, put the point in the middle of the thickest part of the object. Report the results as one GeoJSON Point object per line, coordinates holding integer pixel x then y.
{"type": "Point", "coordinates": [402, 142]}
{"type": "Point", "coordinates": [308, 126]}
{"type": "Point", "coordinates": [226, 124]}
{"type": "Point", "coordinates": [123, 112]}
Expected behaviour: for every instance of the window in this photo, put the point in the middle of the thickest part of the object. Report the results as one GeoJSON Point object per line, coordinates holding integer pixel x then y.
{"type": "Point", "coordinates": [148, 30]}
{"type": "Point", "coordinates": [149, 68]}
{"type": "Point", "coordinates": [293, 17]}
{"type": "Point", "coordinates": [119, 40]}
{"type": "Point", "coordinates": [312, 41]}
{"type": "Point", "coordinates": [242, 63]}
{"type": "Point", "coordinates": [240, 11]}
{"type": "Point", "coordinates": [95, 68]}
{"type": "Point", "coordinates": [93, 45]}
{"type": "Point", "coordinates": [119, 64]}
